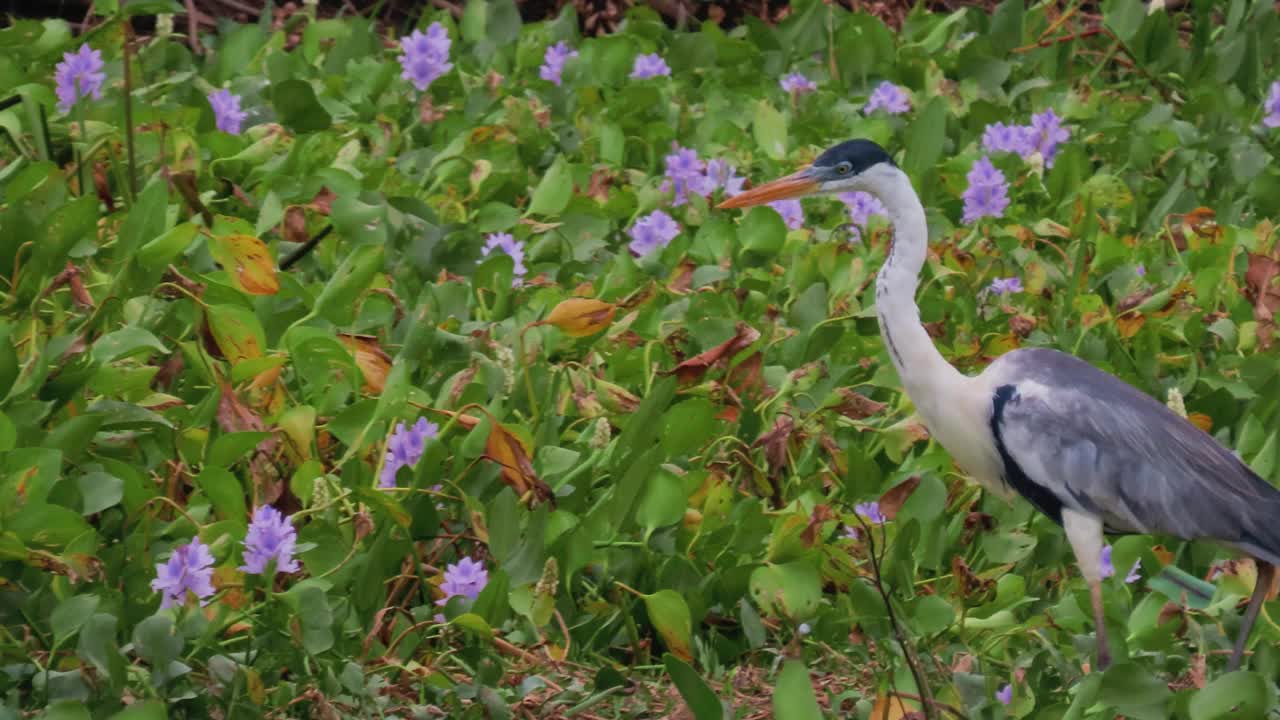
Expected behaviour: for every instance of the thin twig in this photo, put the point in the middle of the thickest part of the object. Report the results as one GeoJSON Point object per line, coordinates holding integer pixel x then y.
{"type": "Point", "coordinates": [292, 258]}
{"type": "Point", "coordinates": [131, 187]}
{"type": "Point", "coordinates": [930, 711]}
{"type": "Point", "coordinates": [193, 29]}
{"type": "Point", "coordinates": [1057, 40]}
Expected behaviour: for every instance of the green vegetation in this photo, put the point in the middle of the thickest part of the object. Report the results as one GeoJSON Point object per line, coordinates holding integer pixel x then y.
{"type": "Point", "coordinates": [641, 464]}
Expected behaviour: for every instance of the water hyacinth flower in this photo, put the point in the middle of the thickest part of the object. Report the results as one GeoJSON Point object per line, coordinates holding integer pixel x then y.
{"type": "Point", "coordinates": [797, 84]}
{"type": "Point", "coordinates": [1047, 133]}
{"type": "Point", "coordinates": [650, 66]}
{"type": "Point", "coordinates": [1005, 695]}
{"type": "Point", "coordinates": [271, 537]}
{"type": "Point", "coordinates": [1272, 107]}
{"type": "Point", "coordinates": [405, 448]}
{"type": "Point", "coordinates": [466, 578]}
{"type": "Point", "coordinates": [685, 173]}
{"type": "Point", "coordinates": [987, 194]}
{"type": "Point", "coordinates": [1141, 270]}
{"type": "Point", "coordinates": [188, 569]}
{"type": "Point", "coordinates": [870, 511]}
{"type": "Point", "coordinates": [425, 56]}
{"type": "Point", "coordinates": [1135, 572]}
{"type": "Point", "coordinates": [889, 98]}
{"type": "Point", "coordinates": [791, 211]}
{"type": "Point", "coordinates": [652, 232]}
{"type": "Point", "coordinates": [227, 114]}
{"type": "Point", "coordinates": [998, 137]}
{"type": "Point", "coordinates": [79, 75]}
{"type": "Point", "coordinates": [862, 205]}
{"type": "Point", "coordinates": [553, 61]}
{"type": "Point", "coordinates": [723, 176]}
{"type": "Point", "coordinates": [1001, 286]}
{"type": "Point", "coordinates": [1105, 567]}
{"type": "Point", "coordinates": [512, 247]}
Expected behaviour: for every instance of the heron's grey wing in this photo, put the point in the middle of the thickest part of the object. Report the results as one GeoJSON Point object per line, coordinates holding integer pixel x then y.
{"type": "Point", "coordinates": [1071, 435]}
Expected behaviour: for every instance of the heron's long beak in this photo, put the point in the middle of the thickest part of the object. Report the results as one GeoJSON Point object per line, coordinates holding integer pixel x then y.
{"type": "Point", "coordinates": [794, 185]}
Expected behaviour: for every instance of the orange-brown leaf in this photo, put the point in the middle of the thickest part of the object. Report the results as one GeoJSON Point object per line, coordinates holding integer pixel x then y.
{"type": "Point", "coordinates": [373, 362]}
{"type": "Point", "coordinates": [580, 317]}
{"type": "Point", "coordinates": [247, 262]}
{"type": "Point", "coordinates": [895, 497]}
{"type": "Point", "coordinates": [509, 451]}
{"type": "Point", "coordinates": [856, 406]}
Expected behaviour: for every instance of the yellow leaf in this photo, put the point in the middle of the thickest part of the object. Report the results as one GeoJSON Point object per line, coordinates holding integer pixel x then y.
{"type": "Point", "coordinates": [374, 364]}
{"type": "Point", "coordinates": [247, 262]}
{"type": "Point", "coordinates": [580, 317]}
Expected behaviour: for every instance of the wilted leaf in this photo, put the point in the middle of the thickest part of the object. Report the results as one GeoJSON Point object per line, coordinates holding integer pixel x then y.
{"type": "Point", "coordinates": [509, 451]}
{"type": "Point", "coordinates": [695, 367]}
{"type": "Point", "coordinates": [247, 262]}
{"type": "Point", "coordinates": [895, 497]}
{"type": "Point", "coordinates": [374, 363]}
{"type": "Point", "coordinates": [855, 405]}
{"type": "Point", "coordinates": [580, 317]}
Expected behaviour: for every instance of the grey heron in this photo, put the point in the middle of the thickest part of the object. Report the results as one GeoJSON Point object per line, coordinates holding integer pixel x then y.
{"type": "Point", "coordinates": [1085, 448]}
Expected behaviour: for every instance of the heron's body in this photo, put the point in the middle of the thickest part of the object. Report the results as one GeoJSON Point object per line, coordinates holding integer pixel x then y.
{"type": "Point", "coordinates": [1085, 448]}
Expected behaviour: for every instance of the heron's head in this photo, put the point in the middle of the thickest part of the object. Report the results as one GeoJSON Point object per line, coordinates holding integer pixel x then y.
{"type": "Point", "coordinates": [847, 167]}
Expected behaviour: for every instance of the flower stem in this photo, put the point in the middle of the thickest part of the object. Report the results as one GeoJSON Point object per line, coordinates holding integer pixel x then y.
{"type": "Point", "coordinates": [81, 162]}
{"type": "Point", "coordinates": [131, 186]}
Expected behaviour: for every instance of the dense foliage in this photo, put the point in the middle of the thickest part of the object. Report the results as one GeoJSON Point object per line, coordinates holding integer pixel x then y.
{"type": "Point", "coordinates": [342, 377]}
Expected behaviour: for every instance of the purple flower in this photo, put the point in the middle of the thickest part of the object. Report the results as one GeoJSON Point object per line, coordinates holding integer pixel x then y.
{"type": "Point", "coordinates": [862, 206]}
{"type": "Point", "coordinates": [804, 629]}
{"type": "Point", "coordinates": [466, 578]}
{"type": "Point", "coordinates": [998, 137]}
{"type": "Point", "coordinates": [1141, 270]}
{"type": "Point", "coordinates": [720, 174]}
{"type": "Point", "coordinates": [1000, 286]}
{"type": "Point", "coordinates": [888, 97]}
{"type": "Point", "coordinates": [1005, 695]}
{"type": "Point", "coordinates": [553, 61]}
{"type": "Point", "coordinates": [987, 194]}
{"type": "Point", "coordinates": [652, 232]}
{"type": "Point", "coordinates": [870, 511]}
{"type": "Point", "coordinates": [79, 75]}
{"type": "Point", "coordinates": [797, 84]}
{"type": "Point", "coordinates": [189, 569]}
{"type": "Point", "coordinates": [226, 111]}
{"type": "Point", "coordinates": [685, 173]}
{"type": "Point", "coordinates": [791, 211]}
{"type": "Point", "coordinates": [405, 448]}
{"type": "Point", "coordinates": [1272, 107]}
{"type": "Point", "coordinates": [426, 56]}
{"type": "Point", "coordinates": [510, 246]}
{"type": "Point", "coordinates": [271, 537]}
{"type": "Point", "coordinates": [1135, 573]}
{"type": "Point", "coordinates": [1047, 133]}
{"type": "Point", "coordinates": [649, 66]}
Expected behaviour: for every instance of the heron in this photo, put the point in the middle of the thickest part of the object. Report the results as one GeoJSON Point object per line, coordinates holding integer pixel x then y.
{"type": "Point", "coordinates": [1087, 449]}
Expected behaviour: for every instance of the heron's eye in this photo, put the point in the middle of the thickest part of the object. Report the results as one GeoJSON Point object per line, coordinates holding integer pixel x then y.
{"type": "Point", "coordinates": [844, 168]}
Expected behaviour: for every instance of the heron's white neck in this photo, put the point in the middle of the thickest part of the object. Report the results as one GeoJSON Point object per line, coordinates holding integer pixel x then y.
{"type": "Point", "coordinates": [926, 375]}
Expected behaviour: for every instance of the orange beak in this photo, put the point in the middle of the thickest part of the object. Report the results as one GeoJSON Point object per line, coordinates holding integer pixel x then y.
{"type": "Point", "coordinates": [794, 185]}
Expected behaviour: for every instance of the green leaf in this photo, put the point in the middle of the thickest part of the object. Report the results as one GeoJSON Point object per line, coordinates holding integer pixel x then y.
{"type": "Point", "coordinates": [98, 646]}
{"type": "Point", "coordinates": [792, 589]}
{"type": "Point", "coordinates": [8, 360]}
{"type": "Point", "coordinates": [933, 614]}
{"type": "Point", "coordinates": [1182, 587]}
{"type": "Point", "coordinates": [770, 130]}
{"type": "Point", "coordinates": [554, 190]}
{"type": "Point", "coordinates": [670, 616]}
{"type": "Point", "coordinates": [663, 502]}
{"type": "Point", "coordinates": [100, 491]}
{"type": "Point", "coordinates": [296, 102]}
{"type": "Point", "coordinates": [338, 299]}
{"type": "Point", "coordinates": [71, 615]}
{"type": "Point", "coordinates": [762, 231]}
{"type": "Point", "coordinates": [926, 138]}
{"type": "Point", "coordinates": [794, 698]}
{"type": "Point", "coordinates": [688, 425]}
{"type": "Point", "coordinates": [66, 710]}
{"type": "Point", "coordinates": [1240, 694]}
{"type": "Point", "coordinates": [223, 490]}
{"type": "Point", "coordinates": [146, 219]}
{"type": "Point", "coordinates": [157, 640]}
{"type": "Point", "coordinates": [1006, 26]}
{"type": "Point", "coordinates": [702, 701]}
{"type": "Point", "coordinates": [161, 251]}
{"type": "Point", "coordinates": [145, 710]}
{"type": "Point", "coordinates": [316, 618]}
{"type": "Point", "coordinates": [125, 342]}
{"type": "Point", "coordinates": [1123, 17]}
{"type": "Point", "coordinates": [230, 447]}
{"type": "Point", "coordinates": [1130, 685]}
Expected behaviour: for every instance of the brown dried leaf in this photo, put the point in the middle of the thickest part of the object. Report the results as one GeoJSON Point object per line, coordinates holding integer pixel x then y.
{"type": "Point", "coordinates": [294, 226]}
{"type": "Point", "coordinates": [509, 451]}
{"type": "Point", "coordinates": [1128, 324]}
{"type": "Point", "coordinates": [103, 188]}
{"type": "Point", "coordinates": [374, 363]}
{"type": "Point", "coordinates": [856, 406]}
{"type": "Point", "coordinates": [895, 497]}
{"type": "Point", "coordinates": [821, 515]}
{"type": "Point", "coordinates": [580, 317]}
{"type": "Point", "coordinates": [774, 442]}
{"type": "Point", "coordinates": [694, 368]}
{"type": "Point", "coordinates": [427, 112]}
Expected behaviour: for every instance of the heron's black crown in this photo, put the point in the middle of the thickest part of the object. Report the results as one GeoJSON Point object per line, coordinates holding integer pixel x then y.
{"type": "Point", "coordinates": [861, 154]}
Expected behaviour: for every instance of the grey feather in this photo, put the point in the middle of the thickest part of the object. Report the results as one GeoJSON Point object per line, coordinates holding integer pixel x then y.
{"type": "Point", "coordinates": [1104, 447]}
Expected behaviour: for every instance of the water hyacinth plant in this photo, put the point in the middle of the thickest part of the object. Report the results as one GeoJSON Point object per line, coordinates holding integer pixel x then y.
{"type": "Point", "coordinates": [275, 443]}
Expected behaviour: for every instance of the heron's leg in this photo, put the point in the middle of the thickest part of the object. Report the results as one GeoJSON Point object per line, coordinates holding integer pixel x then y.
{"type": "Point", "coordinates": [1084, 532]}
{"type": "Point", "coordinates": [1266, 575]}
